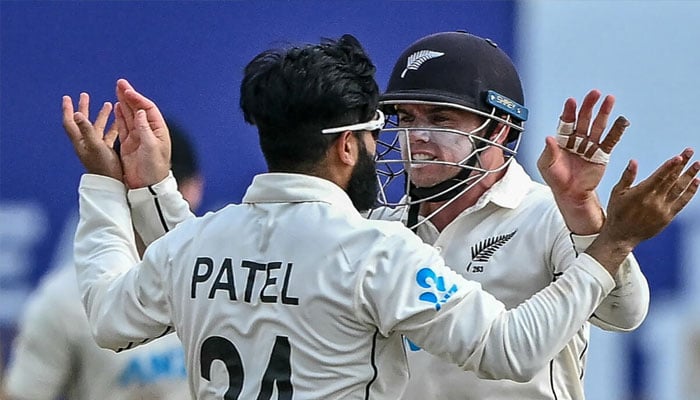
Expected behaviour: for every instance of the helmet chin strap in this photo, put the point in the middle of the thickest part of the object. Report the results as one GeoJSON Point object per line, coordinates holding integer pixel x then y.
{"type": "Point", "coordinates": [451, 187]}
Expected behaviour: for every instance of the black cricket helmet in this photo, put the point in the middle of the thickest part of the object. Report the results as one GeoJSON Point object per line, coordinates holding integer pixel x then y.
{"type": "Point", "coordinates": [449, 69]}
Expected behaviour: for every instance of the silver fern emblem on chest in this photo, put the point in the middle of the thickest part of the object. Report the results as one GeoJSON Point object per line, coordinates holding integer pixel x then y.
{"type": "Point", "coordinates": [417, 59]}
{"type": "Point", "coordinates": [484, 250]}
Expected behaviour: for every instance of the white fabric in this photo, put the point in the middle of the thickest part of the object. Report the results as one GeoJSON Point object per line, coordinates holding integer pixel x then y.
{"type": "Point", "coordinates": [564, 131]}
{"type": "Point", "coordinates": [55, 355]}
{"type": "Point", "coordinates": [147, 201]}
{"type": "Point", "coordinates": [358, 285]}
{"type": "Point", "coordinates": [534, 248]}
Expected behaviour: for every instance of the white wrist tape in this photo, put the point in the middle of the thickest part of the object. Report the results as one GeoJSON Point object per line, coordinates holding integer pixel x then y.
{"type": "Point", "coordinates": [564, 131]}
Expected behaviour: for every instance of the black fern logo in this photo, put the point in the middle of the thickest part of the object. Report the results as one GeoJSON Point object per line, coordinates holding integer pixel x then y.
{"type": "Point", "coordinates": [484, 250]}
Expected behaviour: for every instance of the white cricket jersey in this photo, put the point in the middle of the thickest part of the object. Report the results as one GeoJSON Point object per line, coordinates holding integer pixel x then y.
{"type": "Point", "coordinates": [294, 295]}
{"type": "Point", "coordinates": [55, 355]}
{"type": "Point", "coordinates": [515, 243]}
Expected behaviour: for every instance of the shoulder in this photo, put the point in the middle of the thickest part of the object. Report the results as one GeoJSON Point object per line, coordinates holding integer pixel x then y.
{"type": "Point", "coordinates": [539, 200]}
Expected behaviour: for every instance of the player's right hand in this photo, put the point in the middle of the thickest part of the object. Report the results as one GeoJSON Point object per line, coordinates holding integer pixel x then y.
{"type": "Point", "coordinates": [144, 136]}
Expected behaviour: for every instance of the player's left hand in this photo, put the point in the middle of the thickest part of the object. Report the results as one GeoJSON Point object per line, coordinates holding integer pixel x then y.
{"type": "Point", "coordinates": [94, 147]}
{"type": "Point", "coordinates": [573, 164]}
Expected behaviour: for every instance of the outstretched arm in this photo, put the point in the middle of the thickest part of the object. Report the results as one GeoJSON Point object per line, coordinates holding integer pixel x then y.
{"type": "Point", "coordinates": [156, 204]}
{"type": "Point", "coordinates": [573, 165]}
{"type": "Point", "coordinates": [105, 251]}
{"type": "Point", "coordinates": [517, 343]}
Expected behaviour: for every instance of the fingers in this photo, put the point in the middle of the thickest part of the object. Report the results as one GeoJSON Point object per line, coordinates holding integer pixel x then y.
{"type": "Point", "coordinates": [688, 194]}
{"type": "Point", "coordinates": [684, 181]}
{"type": "Point", "coordinates": [102, 116]}
{"type": "Point", "coordinates": [126, 110]}
{"type": "Point", "coordinates": [613, 137]}
{"type": "Point", "coordinates": [69, 124]}
{"type": "Point", "coordinates": [87, 131]}
{"type": "Point", "coordinates": [132, 101]}
{"type": "Point", "coordinates": [141, 124]}
{"type": "Point", "coordinates": [627, 178]}
{"type": "Point", "coordinates": [120, 120]}
{"type": "Point", "coordinates": [601, 119]}
{"type": "Point", "coordinates": [549, 154]}
{"type": "Point", "coordinates": [668, 173]}
{"type": "Point", "coordinates": [569, 112]}
{"type": "Point", "coordinates": [84, 104]}
{"type": "Point", "coordinates": [152, 114]}
{"type": "Point", "coordinates": [111, 136]}
{"type": "Point", "coordinates": [586, 112]}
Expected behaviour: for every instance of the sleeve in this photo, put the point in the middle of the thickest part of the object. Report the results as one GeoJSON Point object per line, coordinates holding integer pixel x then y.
{"type": "Point", "coordinates": [409, 290]}
{"type": "Point", "coordinates": [41, 358]}
{"type": "Point", "coordinates": [626, 307]}
{"type": "Point", "coordinates": [158, 208]}
{"type": "Point", "coordinates": [125, 301]}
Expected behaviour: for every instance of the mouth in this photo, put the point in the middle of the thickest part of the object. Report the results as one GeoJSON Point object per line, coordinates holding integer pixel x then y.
{"type": "Point", "coordinates": [422, 160]}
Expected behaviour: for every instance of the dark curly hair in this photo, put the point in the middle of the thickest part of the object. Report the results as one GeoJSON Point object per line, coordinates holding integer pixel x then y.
{"type": "Point", "coordinates": [290, 95]}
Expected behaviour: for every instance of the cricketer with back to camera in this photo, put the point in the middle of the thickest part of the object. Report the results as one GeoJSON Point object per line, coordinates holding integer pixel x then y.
{"type": "Point", "coordinates": [354, 286]}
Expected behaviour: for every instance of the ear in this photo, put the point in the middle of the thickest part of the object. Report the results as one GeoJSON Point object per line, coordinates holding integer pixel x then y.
{"type": "Point", "coordinates": [500, 134]}
{"type": "Point", "coordinates": [346, 148]}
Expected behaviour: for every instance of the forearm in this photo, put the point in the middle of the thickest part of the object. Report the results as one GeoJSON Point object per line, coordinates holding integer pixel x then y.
{"type": "Point", "coordinates": [157, 209]}
{"type": "Point", "coordinates": [530, 335]}
{"type": "Point", "coordinates": [582, 216]}
{"type": "Point", "coordinates": [518, 343]}
{"type": "Point", "coordinates": [105, 257]}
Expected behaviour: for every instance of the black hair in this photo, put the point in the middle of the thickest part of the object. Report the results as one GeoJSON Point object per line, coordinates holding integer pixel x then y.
{"type": "Point", "coordinates": [183, 158]}
{"type": "Point", "coordinates": [290, 95]}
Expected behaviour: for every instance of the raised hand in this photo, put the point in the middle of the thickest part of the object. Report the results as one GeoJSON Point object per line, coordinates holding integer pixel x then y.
{"type": "Point", "coordinates": [637, 213]}
{"type": "Point", "coordinates": [94, 147]}
{"type": "Point", "coordinates": [640, 212]}
{"type": "Point", "coordinates": [144, 136]}
{"type": "Point", "coordinates": [573, 163]}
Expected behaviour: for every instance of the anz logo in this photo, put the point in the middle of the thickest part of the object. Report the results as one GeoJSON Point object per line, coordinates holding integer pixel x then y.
{"type": "Point", "coordinates": [484, 250]}
{"type": "Point", "coordinates": [438, 292]}
{"type": "Point", "coordinates": [153, 367]}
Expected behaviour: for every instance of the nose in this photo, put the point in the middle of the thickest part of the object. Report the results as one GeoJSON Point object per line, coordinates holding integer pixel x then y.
{"type": "Point", "coordinates": [418, 136]}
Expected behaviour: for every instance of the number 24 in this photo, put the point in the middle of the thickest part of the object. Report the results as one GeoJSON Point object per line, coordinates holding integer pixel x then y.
{"type": "Point", "coordinates": [278, 368]}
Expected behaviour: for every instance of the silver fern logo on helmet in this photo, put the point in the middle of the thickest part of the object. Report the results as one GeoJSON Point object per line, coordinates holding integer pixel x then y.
{"type": "Point", "coordinates": [417, 59]}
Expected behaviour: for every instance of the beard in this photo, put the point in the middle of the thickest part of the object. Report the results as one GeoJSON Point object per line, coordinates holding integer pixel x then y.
{"type": "Point", "coordinates": [363, 186]}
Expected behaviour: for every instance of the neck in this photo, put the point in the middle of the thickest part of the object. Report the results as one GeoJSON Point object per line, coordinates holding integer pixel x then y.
{"type": "Point", "coordinates": [457, 205]}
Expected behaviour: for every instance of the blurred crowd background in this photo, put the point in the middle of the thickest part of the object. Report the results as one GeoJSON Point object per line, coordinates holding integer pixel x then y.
{"type": "Point", "coordinates": [188, 57]}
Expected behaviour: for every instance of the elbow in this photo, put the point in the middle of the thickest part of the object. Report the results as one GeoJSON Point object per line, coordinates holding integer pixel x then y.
{"type": "Point", "coordinates": [520, 371]}
{"type": "Point", "coordinates": [102, 331]}
{"type": "Point", "coordinates": [102, 338]}
{"type": "Point", "coordinates": [618, 324]}
{"type": "Point", "coordinates": [524, 373]}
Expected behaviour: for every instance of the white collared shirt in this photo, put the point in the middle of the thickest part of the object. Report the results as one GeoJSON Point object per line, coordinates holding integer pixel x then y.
{"type": "Point", "coordinates": [294, 290]}
{"type": "Point", "coordinates": [514, 242]}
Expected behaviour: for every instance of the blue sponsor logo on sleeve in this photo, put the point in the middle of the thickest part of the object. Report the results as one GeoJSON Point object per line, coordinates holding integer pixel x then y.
{"type": "Point", "coordinates": [438, 293]}
{"type": "Point", "coordinates": [154, 367]}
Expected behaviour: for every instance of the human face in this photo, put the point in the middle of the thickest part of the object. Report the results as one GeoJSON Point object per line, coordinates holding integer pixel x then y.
{"type": "Point", "coordinates": [363, 186]}
{"type": "Point", "coordinates": [428, 147]}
